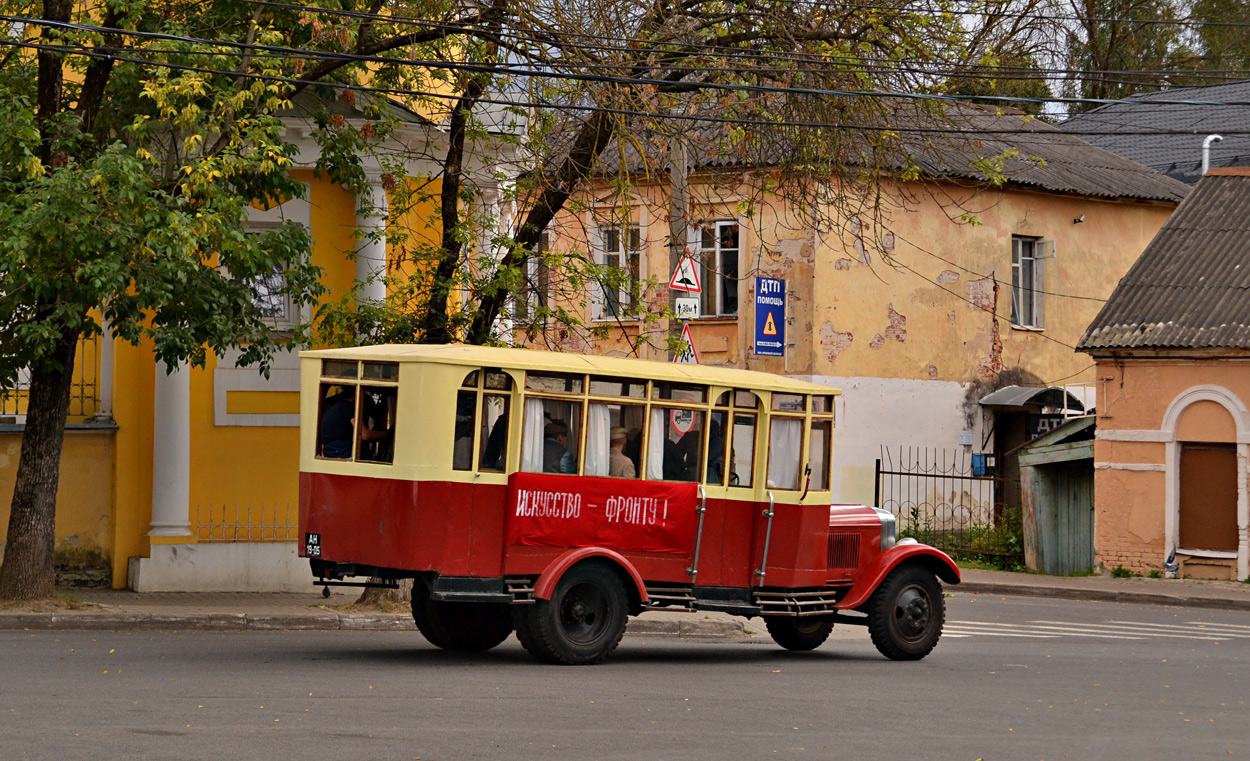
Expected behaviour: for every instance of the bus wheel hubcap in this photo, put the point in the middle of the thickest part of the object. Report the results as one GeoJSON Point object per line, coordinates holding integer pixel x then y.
{"type": "Point", "coordinates": [912, 613]}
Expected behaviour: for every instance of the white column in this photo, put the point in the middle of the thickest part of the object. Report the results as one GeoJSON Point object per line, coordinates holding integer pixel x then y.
{"type": "Point", "coordinates": [371, 213]}
{"type": "Point", "coordinates": [171, 453]}
{"type": "Point", "coordinates": [104, 385]}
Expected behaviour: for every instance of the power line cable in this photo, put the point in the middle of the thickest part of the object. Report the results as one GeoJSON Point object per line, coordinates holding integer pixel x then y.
{"type": "Point", "coordinates": [505, 69]}
{"type": "Point", "coordinates": [584, 107]}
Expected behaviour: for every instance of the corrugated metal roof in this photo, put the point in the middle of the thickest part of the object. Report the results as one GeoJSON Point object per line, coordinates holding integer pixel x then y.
{"type": "Point", "coordinates": [1178, 156]}
{"type": "Point", "coordinates": [1191, 286]}
{"type": "Point", "coordinates": [1032, 153]}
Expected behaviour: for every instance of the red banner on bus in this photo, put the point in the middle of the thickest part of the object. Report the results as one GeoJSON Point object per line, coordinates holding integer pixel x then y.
{"type": "Point", "coordinates": [564, 511]}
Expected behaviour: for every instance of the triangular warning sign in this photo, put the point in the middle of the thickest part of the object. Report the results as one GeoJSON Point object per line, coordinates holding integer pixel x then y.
{"type": "Point", "coordinates": [770, 327]}
{"type": "Point", "coordinates": [686, 277]}
{"type": "Point", "coordinates": [686, 355]}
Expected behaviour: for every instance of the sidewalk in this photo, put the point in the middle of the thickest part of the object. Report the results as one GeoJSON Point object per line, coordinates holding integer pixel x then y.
{"type": "Point", "coordinates": [120, 609]}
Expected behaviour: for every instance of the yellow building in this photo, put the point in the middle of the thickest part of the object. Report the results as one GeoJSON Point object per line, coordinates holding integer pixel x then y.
{"type": "Point", "coordinates": [188, 480]}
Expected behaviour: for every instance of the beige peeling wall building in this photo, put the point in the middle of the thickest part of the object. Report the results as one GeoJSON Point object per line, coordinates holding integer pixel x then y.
{"type": "Point", "coordinates": [1173, 353]}
{"type": "Point", "coordinates": [914, 314]}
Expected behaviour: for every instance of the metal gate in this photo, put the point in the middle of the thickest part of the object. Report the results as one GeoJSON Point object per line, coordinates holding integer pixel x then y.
{"type": "Point", "coordinates": [943, 498]}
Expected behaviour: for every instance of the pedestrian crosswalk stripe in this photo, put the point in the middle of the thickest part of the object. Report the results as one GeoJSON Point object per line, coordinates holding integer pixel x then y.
{"type": "Point", "coordinates": [1122, 630]}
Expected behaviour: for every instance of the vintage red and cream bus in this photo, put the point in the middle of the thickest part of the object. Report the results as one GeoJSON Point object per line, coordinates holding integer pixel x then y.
{"type": "Point", "coordinates": [555, 495]}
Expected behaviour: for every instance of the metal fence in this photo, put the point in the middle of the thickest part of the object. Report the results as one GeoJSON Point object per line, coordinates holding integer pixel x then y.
{"type": "Point", "coordinates": [940, 497]}
{"type": "Point", "coordinates": [262, 523]}
{"type": "Point", "coordinates": [84, 400]}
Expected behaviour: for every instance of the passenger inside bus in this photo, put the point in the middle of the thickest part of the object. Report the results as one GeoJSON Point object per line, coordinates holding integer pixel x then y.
{"type": "Point", "coordinates": [619, 465]}
{"type": "Point", "coordinates": [377, 442]}
{"type": "Point", "coordinates": [556, 456]}
{"type": "Point", "coordinates": [337, 429]}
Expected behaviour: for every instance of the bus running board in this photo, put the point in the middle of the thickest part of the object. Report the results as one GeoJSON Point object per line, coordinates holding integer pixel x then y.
{"type": "Point", "coordinates": [820, 603]}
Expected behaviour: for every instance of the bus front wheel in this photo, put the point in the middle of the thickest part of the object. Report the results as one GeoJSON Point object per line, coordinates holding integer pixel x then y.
{"type": "Point", "coordinates": [906, 613]}
{"type": "Point", "coordinates": [469, 627]}
{"type": "Point", "coordinates": [582, 623]}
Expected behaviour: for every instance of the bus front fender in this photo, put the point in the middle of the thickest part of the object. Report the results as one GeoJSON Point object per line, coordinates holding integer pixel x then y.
{"type": "Point", "coordinates": [546, 585]}
{"type": "Point", "coordinates": [930, 557]}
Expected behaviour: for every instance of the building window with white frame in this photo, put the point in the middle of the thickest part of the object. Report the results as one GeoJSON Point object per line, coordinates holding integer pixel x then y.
{"type": "Point", "coordinates": [718, 256]}
{"type": "Point", "coordinates": [618, 254]}
{"type": "Point", "coordinates": [269, 294]}
{"type": "Point", "coordinates": [1028, 277]}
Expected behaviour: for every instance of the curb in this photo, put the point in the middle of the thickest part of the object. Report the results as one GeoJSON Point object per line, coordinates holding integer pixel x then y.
{"type": "Point", "coordinates": [1101, 595]}
{"type": "Point", "coordinates": [702, 629]}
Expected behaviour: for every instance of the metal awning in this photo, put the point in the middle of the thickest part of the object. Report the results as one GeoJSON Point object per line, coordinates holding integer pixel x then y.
{"type": "Point", "coordinates": [1031, 396]}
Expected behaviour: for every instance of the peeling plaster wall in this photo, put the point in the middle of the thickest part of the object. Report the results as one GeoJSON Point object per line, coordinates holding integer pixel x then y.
{"type": "Point", "coordinates": [887, 411]}
{"type": "Point", "coordinates": [939, 305]}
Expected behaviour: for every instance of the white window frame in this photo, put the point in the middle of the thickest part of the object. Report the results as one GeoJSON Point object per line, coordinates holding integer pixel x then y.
{"type": "Point", "coordinates": [1028, 280]}
{"type": "Point", "coordinates": [712, 266]}
{"type": "Point", "coordinates": [618, 257]}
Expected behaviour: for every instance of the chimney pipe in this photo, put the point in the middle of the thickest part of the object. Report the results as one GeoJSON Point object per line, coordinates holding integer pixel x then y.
{"type": "Point", "coordinates": [1206, 152]}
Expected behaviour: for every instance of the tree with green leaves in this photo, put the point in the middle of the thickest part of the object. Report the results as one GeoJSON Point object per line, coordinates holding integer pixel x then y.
{"type": "Point", "coordinates": [137, 133]}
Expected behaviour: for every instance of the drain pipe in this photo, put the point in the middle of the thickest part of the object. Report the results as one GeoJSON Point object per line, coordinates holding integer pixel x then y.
{"type": "Point", "coordinates": [1206, 152]}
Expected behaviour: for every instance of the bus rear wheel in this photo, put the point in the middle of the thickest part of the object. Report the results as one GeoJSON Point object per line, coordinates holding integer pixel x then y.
{"type": "Point", "coordinates": [798, 633]}
{"type": "Point", "coordinates": [469, 627]}
{"type": "Point", "coordinates": [906, 613]}
{"type": "Point", "coordinates": [582, 623]}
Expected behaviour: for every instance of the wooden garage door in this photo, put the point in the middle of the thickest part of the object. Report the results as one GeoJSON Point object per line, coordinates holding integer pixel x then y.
{"type": "Point", "coordinates": [1208, 496]}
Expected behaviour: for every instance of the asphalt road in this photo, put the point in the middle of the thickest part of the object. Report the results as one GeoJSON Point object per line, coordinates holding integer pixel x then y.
{"type": "Point", "coordinates": [1015, 678]}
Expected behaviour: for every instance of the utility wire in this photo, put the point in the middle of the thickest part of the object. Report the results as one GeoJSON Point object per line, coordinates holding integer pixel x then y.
{"type": "Point", "coordinates": [586, 107]}
{"type": "Point", "coordinates": [505, 69]}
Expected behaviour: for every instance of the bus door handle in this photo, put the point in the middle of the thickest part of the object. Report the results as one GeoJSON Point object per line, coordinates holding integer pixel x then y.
{"type": "Point", "coordinates": [768, 535]}
{"type": "Point", "coordinates": [693, 570]}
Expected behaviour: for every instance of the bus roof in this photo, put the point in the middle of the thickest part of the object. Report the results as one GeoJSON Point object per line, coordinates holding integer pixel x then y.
{"type": "Point", "coordinates": [550, 361]}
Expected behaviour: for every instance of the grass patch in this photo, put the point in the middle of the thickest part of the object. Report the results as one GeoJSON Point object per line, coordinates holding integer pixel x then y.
{"type": "Point", "coordinates": [61, 601]}
{"type": "Point", "coordinates": [998, 547]}
{"type": "Point", "coordinates": [1120, 572]}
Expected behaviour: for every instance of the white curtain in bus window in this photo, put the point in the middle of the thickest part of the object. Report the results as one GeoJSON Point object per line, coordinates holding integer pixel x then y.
{"type": "Point", "coordinates": [551, 437]}
{"type": "Point", "coordinates": [494, 434]}
{"type": "Point", "coordinates": [532, 444]}
{"type": "Point", "coordinates": [818, 453]}
{"type": "Point", "coordinates": [598, 431]}
{"type": "Point", "coordinates": [784, 443]}
{"type": "Point", "coordinates": [742, 454]}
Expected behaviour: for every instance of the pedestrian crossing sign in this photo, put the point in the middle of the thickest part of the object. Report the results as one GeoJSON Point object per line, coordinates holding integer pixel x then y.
{"type": "Point", "coordinates": [686, 355]}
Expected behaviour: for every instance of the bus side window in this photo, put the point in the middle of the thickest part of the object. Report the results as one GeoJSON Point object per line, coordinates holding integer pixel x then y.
{"type": "Point", "coordinates": [377, 424]}
{"type": "Point", "coordinates": [818, 449]}
{"type": "Point", "coordinates": [716, 448]}
{"type": "Point", "coordinates": [462, 447]}
{"type": "Point", "coordinates": [335, 429]}
{"type": "Point", "coordinates": [494, 434]}
{"type": "Point", "coordinates": [742, 450]}
{"type": "Point", "coordinates": [550, 436]}
{"type": "Point", "coordinates": [675, 444]}
{"type": "Point", "coordinates": [611, 429]}
{"type": "Point", "coordinates": [784, 444]}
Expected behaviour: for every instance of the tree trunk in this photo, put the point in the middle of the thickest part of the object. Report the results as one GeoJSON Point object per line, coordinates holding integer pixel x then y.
{"type": "Point", "coordinates": [378, 595]}
{"type": "Point", "coordinates": [27, 571]}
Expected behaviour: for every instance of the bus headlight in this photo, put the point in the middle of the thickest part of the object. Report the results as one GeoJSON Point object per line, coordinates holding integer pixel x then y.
{"type": "Point", "coordinates": [889, 528]}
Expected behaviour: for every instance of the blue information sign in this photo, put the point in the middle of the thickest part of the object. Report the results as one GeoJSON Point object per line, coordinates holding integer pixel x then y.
{"type": "Point", "coordinates": [770, 317]}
